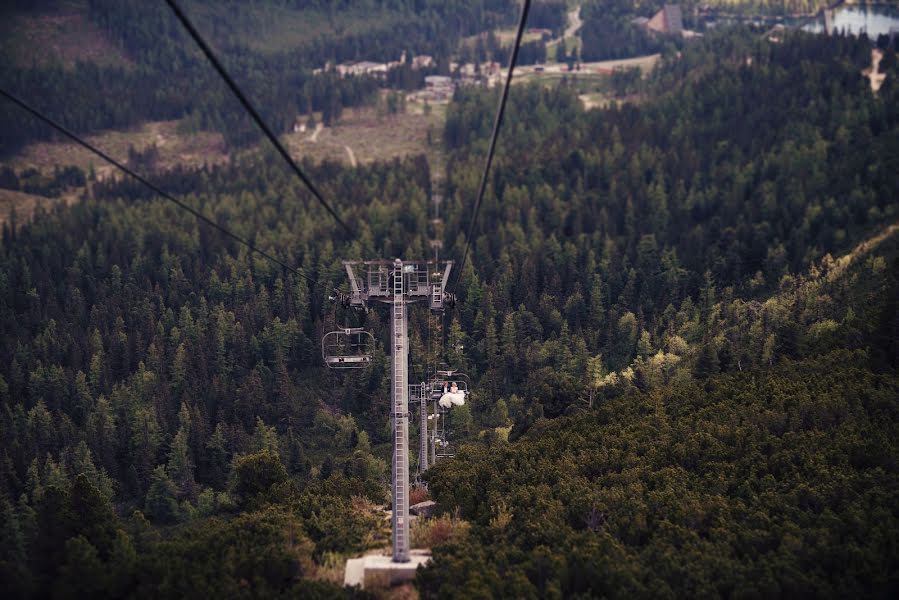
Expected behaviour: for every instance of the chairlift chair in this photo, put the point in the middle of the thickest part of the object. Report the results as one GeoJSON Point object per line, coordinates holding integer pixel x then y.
{"type": "Point", "coordinates": [348, 348]}
{"type": "Point", "coordinates": [449, 381]}
{"type": "Point", "coordinates": [442, 445]}
{"type": "Point", "coordinates": [444, 381]}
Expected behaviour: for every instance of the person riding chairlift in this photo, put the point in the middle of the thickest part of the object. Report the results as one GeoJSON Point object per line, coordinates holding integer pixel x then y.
{"type": "Point", "coordinates": [452, 397]}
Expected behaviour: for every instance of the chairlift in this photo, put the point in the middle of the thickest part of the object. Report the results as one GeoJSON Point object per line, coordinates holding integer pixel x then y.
{"type": "Point", "coordinates": [348, 348]}
{"type": "Point", "coordinates": [442, 445]}
{"type": "Point", "coordinates": [449, 388]}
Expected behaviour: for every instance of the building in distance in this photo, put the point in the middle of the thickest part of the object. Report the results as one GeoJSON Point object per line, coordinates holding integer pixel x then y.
{"type": "Point", "coordinates": [668, 20]}
{"type": "Point", "coordinates": [422, 61]}
{"type": "Point", "coordinates": [438, 88]}
{"type": "Point", "coordinates": [361, 68]}
{"type": "Point", "coordinates": [376, 69]}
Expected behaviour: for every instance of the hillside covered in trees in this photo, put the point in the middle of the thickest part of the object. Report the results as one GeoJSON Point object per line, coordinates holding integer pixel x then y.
{"type": "Point", "coordinates": [683, 354]}
{"type": "Point", "coordinates": [167, 77]}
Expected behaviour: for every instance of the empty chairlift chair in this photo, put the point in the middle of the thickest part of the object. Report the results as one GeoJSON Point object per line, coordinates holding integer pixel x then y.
{"type": "Point", "coordinates": [348, 348]}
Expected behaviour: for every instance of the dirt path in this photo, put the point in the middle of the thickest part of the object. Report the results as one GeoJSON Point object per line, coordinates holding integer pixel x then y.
{"type": "Point", "coordinates": [841, 264]}
{"type": "Point", "coordinates": [874, 73]}
{"type": "Point", "coordinates": [574, 24]}
{"type": "Point", "coordinates": [318, 128]}
{"type": "Point", "coordinates": [352, 156]}
{"type": "Point", "coordinates": [574, 20]}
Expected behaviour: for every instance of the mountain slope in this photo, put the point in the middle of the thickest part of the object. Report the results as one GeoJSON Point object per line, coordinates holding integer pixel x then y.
{"type": "Point", "coordinates": [771, 482]}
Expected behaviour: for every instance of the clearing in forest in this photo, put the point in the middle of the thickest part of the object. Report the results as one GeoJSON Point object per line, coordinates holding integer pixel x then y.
{"type": "Point", "coordinates": [592, 80]}
{"type": "Point", "coordinates": [25, 204]}
{"type": "Point", "coordinates": [61, 37]}
{"type": "Point", "coordinates": [372, 136]}
{"type": "Point", "coordinates": [190, 149]}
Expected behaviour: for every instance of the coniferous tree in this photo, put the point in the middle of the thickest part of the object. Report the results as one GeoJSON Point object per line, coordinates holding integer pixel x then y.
{"type": "Point", "coordinates": [161, 503]}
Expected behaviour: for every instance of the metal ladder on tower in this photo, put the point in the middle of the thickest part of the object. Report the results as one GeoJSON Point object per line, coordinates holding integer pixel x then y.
{"type": "Point", "coordinates": [423, 428]}
{"type": "Point", "coordinates": [401, 453]}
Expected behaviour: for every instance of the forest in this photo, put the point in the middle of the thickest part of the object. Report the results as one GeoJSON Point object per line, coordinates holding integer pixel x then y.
{"type": "Point", "coordinates": [608, 32]}
{"type": "Point", "coordinates": [773, 7]}
{"type": "Point", "coordinates": [680, 317]}
{"type": "Point", "coordinates": [170, 80]}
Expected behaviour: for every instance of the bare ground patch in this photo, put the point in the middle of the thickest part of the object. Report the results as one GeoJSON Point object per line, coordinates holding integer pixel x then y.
{"type": "Point", "coordinates": [63, 37]}
{"type": "Point", "coordinates": [25, 204]}
{"type": "Point", "coordinates": [366, 135]}
{"type": "Point", "coordinates": [174, 149]}
{"type": "Point", "coordinates": [873, 72]}
{"type": "Point", "coordinates": [362, 136]}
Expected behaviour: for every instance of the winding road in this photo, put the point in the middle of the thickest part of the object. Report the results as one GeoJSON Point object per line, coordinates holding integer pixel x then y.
{"type": "Point", "coordinates": [574, 24]}
{"type": "Point", "coordinates": [314, 137]}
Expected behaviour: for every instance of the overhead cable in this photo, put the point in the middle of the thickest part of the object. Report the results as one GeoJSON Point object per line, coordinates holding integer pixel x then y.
{"type": "Point", "coordinates": [254, 114]}
{"type": "Point", "coordinates": [200, 217]}
{"type": "Point", "coordinates": [496, 125]}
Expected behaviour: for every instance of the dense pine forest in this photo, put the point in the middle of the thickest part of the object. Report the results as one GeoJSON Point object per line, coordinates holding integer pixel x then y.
{"type": "Point", "coordinates": [680, 317]}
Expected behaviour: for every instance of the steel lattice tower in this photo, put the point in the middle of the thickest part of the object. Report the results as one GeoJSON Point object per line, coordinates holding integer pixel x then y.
{"type": "Point", "coordinates": [399, 284]}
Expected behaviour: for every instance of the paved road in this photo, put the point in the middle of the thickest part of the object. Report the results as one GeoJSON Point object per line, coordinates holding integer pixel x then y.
{"type": "Point", "coordinates": [644, 62]}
